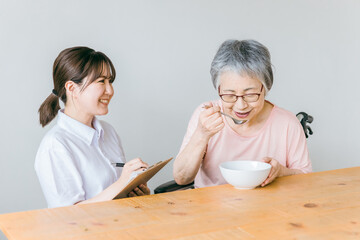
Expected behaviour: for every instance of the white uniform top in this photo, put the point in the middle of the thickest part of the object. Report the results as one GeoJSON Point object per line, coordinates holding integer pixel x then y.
{"type": "Point", "coordinates": [73, 162]}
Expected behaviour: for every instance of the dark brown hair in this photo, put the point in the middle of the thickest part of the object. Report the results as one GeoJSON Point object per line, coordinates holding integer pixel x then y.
{"type": "Point", "coordinates": [73, 64]}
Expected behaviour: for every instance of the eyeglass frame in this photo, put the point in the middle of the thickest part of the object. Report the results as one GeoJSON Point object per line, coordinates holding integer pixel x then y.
{"type": "Point", "coordinates": [242, 96]}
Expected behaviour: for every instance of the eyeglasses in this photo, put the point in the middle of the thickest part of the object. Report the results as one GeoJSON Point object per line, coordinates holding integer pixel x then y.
{"type": "Point", "coordinates": [249, 98]}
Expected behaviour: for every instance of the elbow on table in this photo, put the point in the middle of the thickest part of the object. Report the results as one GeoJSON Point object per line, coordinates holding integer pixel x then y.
{"type": "Point", "coordinates": [304, 171]}
{"type": "Point", "coordinates": [182, 180]}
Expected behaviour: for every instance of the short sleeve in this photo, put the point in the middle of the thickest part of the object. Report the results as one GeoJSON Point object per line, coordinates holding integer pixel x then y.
{"type": "Point", "coordinates": [298, 154]}
{"type": "Point", "coordinates": [191, 127]}
{"type": "Point", "coordinates": [59, 176]}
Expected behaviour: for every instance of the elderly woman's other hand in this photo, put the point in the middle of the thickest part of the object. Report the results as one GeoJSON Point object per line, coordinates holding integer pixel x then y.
{"type": "Point", "coordinates": [276, 170]}
{"type": "Point", "coordinates": [210, 121]}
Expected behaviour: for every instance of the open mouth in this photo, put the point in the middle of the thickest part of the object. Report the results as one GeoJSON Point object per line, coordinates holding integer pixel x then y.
{"type": "Point", "coordinates": [242, 114]}
{"type": "Point", "coordinates": [104, 101]}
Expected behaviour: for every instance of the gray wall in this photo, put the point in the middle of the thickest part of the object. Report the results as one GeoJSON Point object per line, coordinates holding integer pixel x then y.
{"type": "Point", "coordinates": [162, 51]}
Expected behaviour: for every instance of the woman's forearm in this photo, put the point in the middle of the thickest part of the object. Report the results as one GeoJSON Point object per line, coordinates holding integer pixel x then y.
{"type": "Point", "coordinates": [287, 171]}
{"type": "Point", "coordinates": [188, 162]}
{"type": "Point", "coordinates": [108, 194]}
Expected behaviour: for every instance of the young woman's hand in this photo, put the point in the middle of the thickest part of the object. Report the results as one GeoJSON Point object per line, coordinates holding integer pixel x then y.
{"type": "Point", "coordinates": [112, 191]}
{"type": "Point", "coordinates": [140, 190]}
{"type": "Point", "coordinates": [130, 167]}
{"type": "Point", "coordinates": [210, 121]}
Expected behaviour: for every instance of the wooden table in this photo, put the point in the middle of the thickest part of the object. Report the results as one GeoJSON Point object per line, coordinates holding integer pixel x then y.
{"type": "Point", "coordinates": [322, 205]}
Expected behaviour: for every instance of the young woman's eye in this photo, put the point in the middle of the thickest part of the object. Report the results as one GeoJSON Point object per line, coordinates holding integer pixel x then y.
{"type": "Point", "coordinates": [101, 81]}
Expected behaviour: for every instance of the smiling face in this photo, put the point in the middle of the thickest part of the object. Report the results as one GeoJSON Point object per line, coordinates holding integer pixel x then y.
{"type": "Point", "coordinates": [89, 100]}
{"type": "Point", "coordinates": [234, 83]}
{"type": "Point", "coordinates": [95, 98]}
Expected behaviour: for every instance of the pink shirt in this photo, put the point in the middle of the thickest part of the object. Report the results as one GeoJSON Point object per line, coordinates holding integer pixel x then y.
{"type": "Point", "coordinates": [281, 138]}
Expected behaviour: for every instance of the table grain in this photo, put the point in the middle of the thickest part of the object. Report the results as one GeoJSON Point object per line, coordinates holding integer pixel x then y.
{"type": "Point", "coordinates": [321, 205]}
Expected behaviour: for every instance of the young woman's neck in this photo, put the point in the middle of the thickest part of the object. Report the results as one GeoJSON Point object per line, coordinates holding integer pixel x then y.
{"type": "Point", "coordinates": [80, 116]}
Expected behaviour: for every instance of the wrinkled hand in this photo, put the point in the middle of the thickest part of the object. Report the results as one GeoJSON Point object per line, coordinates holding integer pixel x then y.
{"type": "Point", "coordinates": [140, 190]}
{"type": "Point", "coordinates": [210, 120]}
{"type": "Point", "coordinates": [132, 166]}
{"type": "Point", "coordinates": [276, 170]}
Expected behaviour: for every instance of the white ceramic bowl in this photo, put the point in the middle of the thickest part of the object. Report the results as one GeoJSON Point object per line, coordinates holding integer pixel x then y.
{"type": "Point", "coordinates": [245, 174]}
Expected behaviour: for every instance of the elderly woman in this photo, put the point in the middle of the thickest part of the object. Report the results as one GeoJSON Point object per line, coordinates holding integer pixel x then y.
{"type": "Point", "coordinates": [241, 73]}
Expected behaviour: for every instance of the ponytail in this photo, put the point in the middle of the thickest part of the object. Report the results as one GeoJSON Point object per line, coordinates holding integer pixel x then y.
{"type": "Point", "coordinates": [49, 109]}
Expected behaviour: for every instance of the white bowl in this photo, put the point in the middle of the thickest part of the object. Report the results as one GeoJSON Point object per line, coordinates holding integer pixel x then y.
{"type": "Point", "coordinates": [245, 174]}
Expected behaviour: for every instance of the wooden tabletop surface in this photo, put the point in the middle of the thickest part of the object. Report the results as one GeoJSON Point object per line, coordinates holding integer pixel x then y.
{"type": "Point", "coordinates": [322, 205]}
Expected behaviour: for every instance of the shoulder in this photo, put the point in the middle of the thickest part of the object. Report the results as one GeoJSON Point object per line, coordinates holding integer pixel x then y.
{"type": "Point", "coordinates": [284, 120]}
{"type": "Point", "coordinates": [284, 116]}
{"type": "Point", "coordinates": [54, 139]}
{"type": "Point", "coordinates": [54, 145]}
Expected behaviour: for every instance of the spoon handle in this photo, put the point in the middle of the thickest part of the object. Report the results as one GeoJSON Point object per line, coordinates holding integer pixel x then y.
{"type": "Point", "coordinates": [235, 120]}
{"type": "Point", "coordinates": [226, 115]}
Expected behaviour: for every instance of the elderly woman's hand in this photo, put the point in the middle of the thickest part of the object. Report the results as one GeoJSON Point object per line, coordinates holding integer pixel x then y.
{"type": "Point", "coordinates": [210, 121]}
{"type": "Point", "coordinates": [276, 170]}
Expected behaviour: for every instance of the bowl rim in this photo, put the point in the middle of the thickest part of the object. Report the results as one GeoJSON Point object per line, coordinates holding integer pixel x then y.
{"type": "Point", "coordinates": [267, 166]}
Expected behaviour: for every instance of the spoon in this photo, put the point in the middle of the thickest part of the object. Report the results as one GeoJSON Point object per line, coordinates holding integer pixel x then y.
{"type": "Point", "coordinates": [236, 121]}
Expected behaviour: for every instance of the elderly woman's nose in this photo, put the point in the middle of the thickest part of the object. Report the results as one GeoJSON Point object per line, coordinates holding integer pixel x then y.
{"type": "Point", "coordinates": [240, 103]}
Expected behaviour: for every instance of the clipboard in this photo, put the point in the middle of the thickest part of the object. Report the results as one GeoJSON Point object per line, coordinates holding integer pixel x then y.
{"type": "Point", "coordinates": [142, 178]}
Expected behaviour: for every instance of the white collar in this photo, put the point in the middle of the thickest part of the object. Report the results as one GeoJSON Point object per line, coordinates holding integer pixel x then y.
{"type": "Point", "coordinates": [81, 130]}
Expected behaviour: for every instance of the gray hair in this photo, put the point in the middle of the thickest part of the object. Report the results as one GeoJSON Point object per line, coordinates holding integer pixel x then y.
{"type": "Point", "coordinates": [245, 57]}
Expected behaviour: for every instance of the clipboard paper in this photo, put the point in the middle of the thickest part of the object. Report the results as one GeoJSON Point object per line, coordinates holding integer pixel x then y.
{"type": "Point", "coordinates": [142, 178]}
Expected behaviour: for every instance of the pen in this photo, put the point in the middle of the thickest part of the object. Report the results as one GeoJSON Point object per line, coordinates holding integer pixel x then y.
{"type": "Point", "coordinates": [118, 164]}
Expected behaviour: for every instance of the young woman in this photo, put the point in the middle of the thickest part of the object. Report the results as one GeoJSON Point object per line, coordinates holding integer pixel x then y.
{"type": "Point", "coordinates": [75, 160]}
